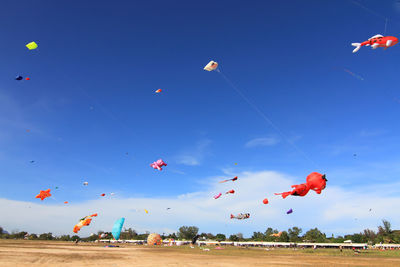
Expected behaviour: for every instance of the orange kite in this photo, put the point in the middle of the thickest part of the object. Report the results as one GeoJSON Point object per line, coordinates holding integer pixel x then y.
{"type": "Point", "coordinates": [85, 221]}
{"type": "Point", "coordinates": [43, 194]}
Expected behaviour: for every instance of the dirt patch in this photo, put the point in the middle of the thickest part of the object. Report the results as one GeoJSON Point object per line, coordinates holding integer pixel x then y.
{"type": "Point", "coordinates": [54, 253]}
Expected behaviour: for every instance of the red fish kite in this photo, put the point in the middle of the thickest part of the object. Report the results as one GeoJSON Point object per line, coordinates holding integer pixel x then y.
{"type": "Point", "coordinates": [85, 221]}
{"type": "Point", "coordinates": [158, 91]}
{"type": "Point", "coordinates": [377, 41]}
{"type": "Point", "coordinates": [43, 194]}
{"type": "Point", "coordinates": [65, 202]}
{"type": "Point", "coordinates": [103, 195]}
{"type": "Point", "coordinates": [233, 179]}
{"type": "Point", "coordinates": [265, 201]}
{"type": "Point", "coordinates": [315, 181]}
{"type": "Point", "coordinates": [230, 192]}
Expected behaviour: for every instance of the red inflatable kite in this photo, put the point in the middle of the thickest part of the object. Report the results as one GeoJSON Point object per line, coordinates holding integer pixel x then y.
{"type": "Point", "coordinates": [43, 194]}
{"type": "Point", "coordinates": [315, 181]}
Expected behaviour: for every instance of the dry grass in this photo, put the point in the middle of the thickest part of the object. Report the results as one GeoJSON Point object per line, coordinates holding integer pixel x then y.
{"type": "Point", "coordinates": [54, 253]}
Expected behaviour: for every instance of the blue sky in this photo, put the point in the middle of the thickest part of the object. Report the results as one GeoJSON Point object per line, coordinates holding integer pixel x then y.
{"type": "Point", "coordinates": [91, 99]}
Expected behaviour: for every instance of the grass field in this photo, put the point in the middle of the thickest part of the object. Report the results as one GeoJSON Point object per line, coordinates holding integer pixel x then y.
{"type": "Point", "coordinates": [55, 253]}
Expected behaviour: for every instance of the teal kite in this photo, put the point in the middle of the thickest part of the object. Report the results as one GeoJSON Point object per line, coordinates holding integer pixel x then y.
{"type": "Point", "coordinates": [116, 231]}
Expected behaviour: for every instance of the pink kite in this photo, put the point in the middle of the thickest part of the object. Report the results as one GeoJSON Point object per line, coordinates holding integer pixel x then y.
{"type": "Point", "coordinates": [158, 164]}
{"type": "Point", "coordinates": [218, 196]}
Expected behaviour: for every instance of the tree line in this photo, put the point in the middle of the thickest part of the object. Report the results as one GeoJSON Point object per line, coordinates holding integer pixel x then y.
{"type": "Point", "coordinates": [384, 234]}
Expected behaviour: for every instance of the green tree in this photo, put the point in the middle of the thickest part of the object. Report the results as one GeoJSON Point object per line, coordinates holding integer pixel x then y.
{"type": "Point", "coordinates": [220, 237]}
{"type": "Point", "coordinates": [315, 235]}
{"type": "Point", "coordinates": [385, 232]}
{"type": "Point", "coordinates": [33, 237]}
{"type": "Point", "coordinates": [187, 232]}
{"type": "Point", "coordinates": [294, 234]}
{"type": "Point", "coordinates": [258, 236]}
{"type": "Point", "coordinates": [233, 238]}
{"type": "Point", "coordinates": [46, 236]}
{"type": "Point", "coordinates": [284, 237]}
{"type": "Point", "coordinates": [92, 238]}
{"type": "Point", "coordinates": [65, 238]}
{"type": "Point", "coordinates": [128, 234]}
{"type": "Point", "coordinates": [268, 234]}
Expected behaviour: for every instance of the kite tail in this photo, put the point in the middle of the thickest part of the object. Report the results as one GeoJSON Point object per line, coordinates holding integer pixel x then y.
{"type": "Point", "coordinates": [284, 194]}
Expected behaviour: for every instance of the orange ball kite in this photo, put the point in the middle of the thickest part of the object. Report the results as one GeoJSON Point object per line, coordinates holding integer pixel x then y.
{"type": "Point", "coordinates": [154, 239]}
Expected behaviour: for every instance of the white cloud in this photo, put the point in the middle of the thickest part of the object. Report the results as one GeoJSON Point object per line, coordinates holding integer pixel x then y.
{"type": "Point", "coordinates": [194, 156]}
{"type": "Point", "coordinates": [264, 141]}
{"type": "Point", "coordinates": [188, 160]}
{"type": "Point", "coordinates": [333, 211]}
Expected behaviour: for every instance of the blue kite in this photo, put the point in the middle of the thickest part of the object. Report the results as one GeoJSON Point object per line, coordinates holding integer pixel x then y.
{"type": "Point", "coordinates": [116, 231]}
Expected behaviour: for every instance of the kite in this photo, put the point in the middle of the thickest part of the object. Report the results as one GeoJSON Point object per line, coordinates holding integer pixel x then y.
{"type": "Point", "coordinates": [218, 196]}
{"type": "Point", "coordinates": [112, 194]}
{"type": "Point", "coordinates": [241, 216]}
{"type": "Point", "coordinates": [146, 211]}
{"type": "Point", "coordinates": [158, 91]}
{"type": "Point", "coordinates": [276, 234]}
{"type": "Point", "coordinates": [43, 194]}
{"type": "Point", "coordinates": [168, 208]}
{"type": "Point", "coordinates": [85, 221]}
{"type": "Point", "coordinates": [103, 195]}
{"type": "Point", "coordinates": [27, 78]}
{"type": "Point", "coordinates": [377, 41]}
{"type": "Point", "coordinates": [102, 235]}
{"type": "Point", "coordinates": [158, 164]}
{"type": "Point", "coordinates": [154, 239]}
{"type": "Point", "coordinates": [32, 161]}
{"type": "Point", "coordinates": [289, 211]}
{"type": "Point", "coordinates": [56, 187]}
{"type": "Point", "coordinates": [66, 202]}
{"type": "Point", "coordinates": [212, 65]}
{"type": "Point", "coordinates": [265, 201]}
{"type": "Point", "coordinates": [315, 181]}
{"type": "Point", "coordinates": [19, 78]}
{"type": "Point", "coordinates": [233, 179]}
{"type": "Point", "coordinates": [85, 183]}
{"type": "Point", "coordinates": [32, 45]}
{"type": "Point", "coordinates": [116, 230]}
{"type": "Point", "coordinates": [230, 192]}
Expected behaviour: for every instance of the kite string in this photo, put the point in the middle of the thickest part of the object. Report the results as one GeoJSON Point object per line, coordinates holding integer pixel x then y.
{"type": "Point", "coordinates": [265, 117]}
{"type": "Point", "coordinates": [385, 26]}
{"type": "Point", "coordinates": [372, 12]}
